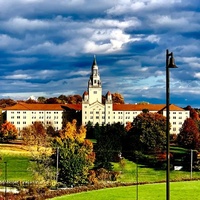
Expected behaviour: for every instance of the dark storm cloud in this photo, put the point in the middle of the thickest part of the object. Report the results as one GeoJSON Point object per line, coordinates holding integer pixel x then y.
{"type": "Point", "coordinates": [47, 47]}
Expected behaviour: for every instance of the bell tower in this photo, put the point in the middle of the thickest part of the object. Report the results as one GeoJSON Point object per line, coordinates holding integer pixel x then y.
{"type": "Point", "coordinates": [94, 84]}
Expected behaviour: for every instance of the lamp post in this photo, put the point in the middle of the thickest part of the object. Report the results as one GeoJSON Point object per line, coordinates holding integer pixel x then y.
{"type": "Point", "coordinates": [5, 180]}
{"type": "Point", "coordinates": [169, 64]}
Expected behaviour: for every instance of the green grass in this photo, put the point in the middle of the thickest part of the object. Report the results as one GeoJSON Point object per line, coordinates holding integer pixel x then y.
{"type": "Point", "coordinates": [17, 161]}
{"type": "Point", "coordinates": [178, 191]}
{"type": "Point", "coordinates": [130, 170]}
{"type": "Point", "coordinates": [17, 168]}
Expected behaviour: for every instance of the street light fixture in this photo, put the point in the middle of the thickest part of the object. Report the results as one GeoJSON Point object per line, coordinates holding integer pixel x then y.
{"type": "Point", "coordinates": [169, 64]}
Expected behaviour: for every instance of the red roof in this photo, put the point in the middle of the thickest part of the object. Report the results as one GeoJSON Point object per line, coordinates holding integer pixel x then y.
{"type": "Point", "coordinates": [120, 107]}
{"type": "Point", "coordinates": [72, 106]}
{"type": "Point", "coordinates": [140, 107]}
{"type": "Point", "coordinates": [26, 106]}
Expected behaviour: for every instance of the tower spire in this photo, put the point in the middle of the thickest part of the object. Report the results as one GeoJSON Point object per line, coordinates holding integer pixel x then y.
{"type": "Point", "coordinates": [94, 62]}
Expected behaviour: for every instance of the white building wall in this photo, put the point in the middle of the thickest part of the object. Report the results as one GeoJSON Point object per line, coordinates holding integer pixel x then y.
{"type": "Point", "coordinates": [24, 118]}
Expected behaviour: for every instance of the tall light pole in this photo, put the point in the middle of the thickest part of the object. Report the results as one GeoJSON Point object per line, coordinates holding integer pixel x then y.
{"type": "Point", "coordinates": [5, 180]}
{"type": "Point", "coordinates": [169, 64]}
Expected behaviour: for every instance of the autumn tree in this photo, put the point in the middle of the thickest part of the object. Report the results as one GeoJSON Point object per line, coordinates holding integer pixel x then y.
{"type": "Point", "coordinates": [148, 133]}
{"type": "Point", "coordinates": [8, 131]}
{"type": "Point", "coordinates": [36, 139]}
{"type": "Point", "coordinates": [189, 136]}
{"type": "Point", "coordinates": [128, 126]}
{"type": "Point", "coordinates": [7, 102]}
{"type": "Point", "coordinates": [76, 155]}
{"type": "Point", "coordinates": [193, 113]}
{"type": "Point", "coordinates": [117, 98]}
{"type": "Point", "coordinates": [34, 135]}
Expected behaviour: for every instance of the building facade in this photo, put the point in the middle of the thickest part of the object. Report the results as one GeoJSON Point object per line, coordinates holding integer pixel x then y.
{"type": "Point", "coordinates": [23, 115]}
{"type": "Point", "coordinates": [92, 110]}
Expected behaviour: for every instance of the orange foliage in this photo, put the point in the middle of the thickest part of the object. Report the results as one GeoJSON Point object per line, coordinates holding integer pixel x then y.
{"type": "Point", "coordinates": [117, 98]}
{"type": "Point", "coordinates": [8, 131]}
{"type": "Point", "coordinates": [128, 126]}
{"type": "Point", "coordinates": [73, 133]}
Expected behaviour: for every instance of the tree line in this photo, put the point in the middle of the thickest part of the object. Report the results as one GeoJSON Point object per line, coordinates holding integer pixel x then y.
{"type": "Point", "coordinates": [62, 99]}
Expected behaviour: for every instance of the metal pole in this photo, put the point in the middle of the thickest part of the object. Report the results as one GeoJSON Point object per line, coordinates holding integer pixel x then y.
{"type": "Point", "coordinates": [167, 129]}
{"type": "Point", "coordinates": [191, 163]}
{"type": "Point", "coordinates": [136, 179]}
{"type": "Point", "coordinates": [5, 180]}
{"type": "Point", "coordinates": [57, 162]}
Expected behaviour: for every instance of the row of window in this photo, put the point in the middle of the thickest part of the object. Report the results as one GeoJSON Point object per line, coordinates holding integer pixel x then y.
{"type": "Point", "coordinates": [103, 112]}
{"type": "Point", "coordinates": [34, 117]}
{"type": "Point", "coordinates": [24, 122]}
{"type": "Point", "coordinates": [35, 112]}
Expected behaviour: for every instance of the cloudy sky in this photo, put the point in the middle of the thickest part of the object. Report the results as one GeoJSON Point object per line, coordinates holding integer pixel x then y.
{"type": "Point", "coordinates": [47, 48]}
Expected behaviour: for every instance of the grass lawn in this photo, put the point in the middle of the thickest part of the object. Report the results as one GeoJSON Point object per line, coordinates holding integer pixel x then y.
{"type": "Point", "coordinates": [17, 160]}
{"type": "Point", "coordinates": [128, 173]}
{"type": "Point", "coordinates": [178, 191]}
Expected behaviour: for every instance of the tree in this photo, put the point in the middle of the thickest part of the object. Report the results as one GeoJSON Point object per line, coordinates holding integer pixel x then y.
{"type": "Point", "coordinates": [117, 98]}
{"type": "Point", "coordinates": [36, 138]}
{"type": "Point", "coordinates": [35, 135]}
{"type": "Point", "coordinates": [76, 155]}
{"type": "Point", "coordinates": [193, 113]}
{"type": "Point", "coordinates": [109, 145]}
{"type": "Point", "coordinates": [148, 134]}
{"type": "Point", "coordinates": [189, 136]}
{"type": "Point", "coordinates": [41, 99]}
{"type": "Point", "coordinates": [8, 131]}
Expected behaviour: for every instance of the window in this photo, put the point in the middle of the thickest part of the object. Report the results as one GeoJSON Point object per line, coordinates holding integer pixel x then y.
{"type": "Point", "coordinates": [91, 112]}
{"type": "Point", "coordinates": [174, 129]}
{"type": "Point", "coordinates": [174, 122]}
{"type": "Point", "coordinates": [85, 112]}
{"type": "Point", "coordinates": [97, 117]}
{"type": "Point", "coordinates": [174, 117]}
{"type": "Point", "coordinates": [97, 112]}
{"type": "Point", "coordinates": [95, 92]}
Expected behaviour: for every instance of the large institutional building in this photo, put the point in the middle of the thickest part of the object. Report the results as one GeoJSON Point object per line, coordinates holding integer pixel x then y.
{"type": "Point", "coordinates": [92, 109]}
